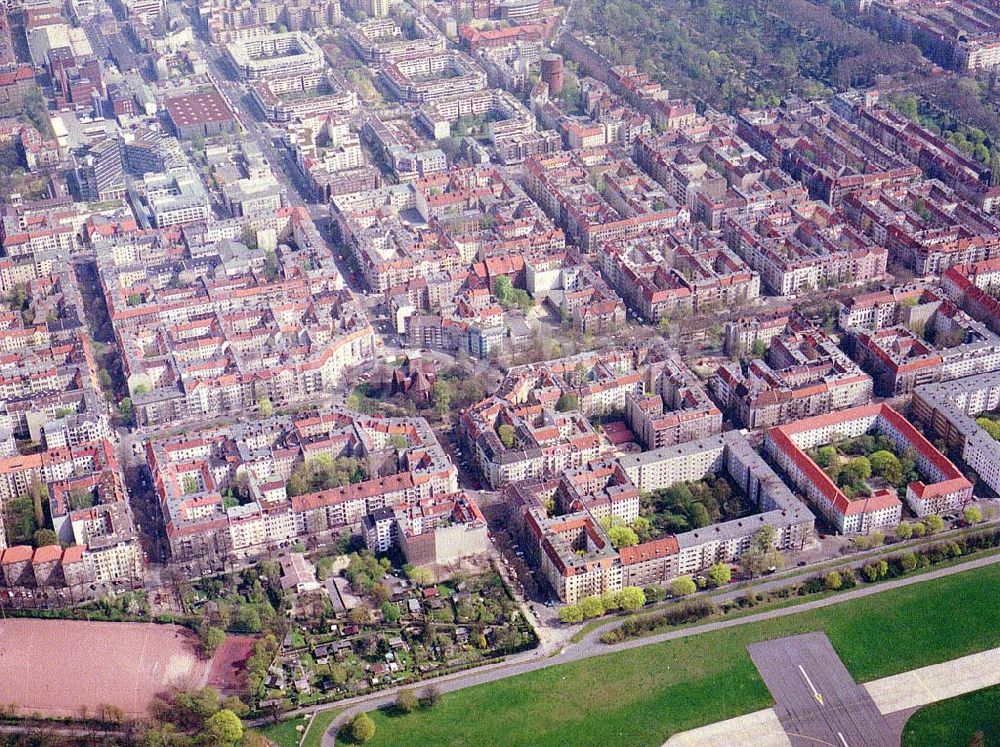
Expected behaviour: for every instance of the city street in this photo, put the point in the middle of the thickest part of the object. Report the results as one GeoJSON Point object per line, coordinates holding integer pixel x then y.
{"type": "Point", "coordinates": [295, 190]}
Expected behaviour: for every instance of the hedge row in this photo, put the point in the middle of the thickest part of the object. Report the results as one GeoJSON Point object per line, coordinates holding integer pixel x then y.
{"type": "Point", "coordinates": [890, 566]}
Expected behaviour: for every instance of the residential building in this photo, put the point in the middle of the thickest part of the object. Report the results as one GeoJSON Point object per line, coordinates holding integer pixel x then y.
{"type": "Point", "coordinates": [559, 519]}
{"type": "Point", "coordinates": [803, 373]}
{"type": "Point", "coordinates": [949, 409]}
{"type": "Point", "coordinates": [686, 270]}
{"type": "Point", "coordinates": [191, 473]}
{"type": "Point", "coordinates": [804, 247]}
{"type": "Point", "coordinates": [945, 487]}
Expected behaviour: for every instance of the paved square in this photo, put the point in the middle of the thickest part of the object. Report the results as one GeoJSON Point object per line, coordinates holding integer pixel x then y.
{"type": "Point", "coordinates": [818, 702]}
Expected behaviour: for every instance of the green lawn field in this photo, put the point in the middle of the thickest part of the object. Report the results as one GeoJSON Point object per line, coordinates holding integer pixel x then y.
{"type": "Point", "coordinates": [314, 737]}
{"type": "Point", "coordinates": [642, 696]}
{"type": "Point", "coordinates": [954, 722]}
{"type": "Point", "coordinates": [284, 733]}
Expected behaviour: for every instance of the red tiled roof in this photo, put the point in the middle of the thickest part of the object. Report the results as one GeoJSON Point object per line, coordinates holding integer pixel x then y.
{"type": "Point", "coordinates": [781, 437]}
{"type": "Point", "coordinates": [73, 554]}
{"type": "Point", "coordinates": [921, 444]}
{"type": "Point", "coordinates": [18, 553]}
{"type": "Point", "coordinates": [924, 491]}
{"type": "Point", "coordinates": [359, 490]}
{"type": "Point", "coordinates": [16, 76]}
{"type": "Point", "coordinates": [47, 554]}
{"type": "Point", "coordinates": [831, 418]}
{"type": "Point", "coordinates": [649, 550]}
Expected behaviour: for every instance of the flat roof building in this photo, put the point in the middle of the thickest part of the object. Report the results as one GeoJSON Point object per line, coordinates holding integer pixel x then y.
{"type": "Point", "coordinates": [275, 56]}
{"type": "Point", "coordinates": [204, 113]}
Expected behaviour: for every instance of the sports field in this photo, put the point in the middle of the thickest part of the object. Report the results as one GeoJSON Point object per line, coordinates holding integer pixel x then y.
{"type": "Point", "coordinates": [58, 667]}
{"type": "Point", "coordinates": [642, 696]}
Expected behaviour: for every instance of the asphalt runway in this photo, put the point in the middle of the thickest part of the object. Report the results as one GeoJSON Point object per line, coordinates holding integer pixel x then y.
{"type": "Point", "coordinates": [818, 702]}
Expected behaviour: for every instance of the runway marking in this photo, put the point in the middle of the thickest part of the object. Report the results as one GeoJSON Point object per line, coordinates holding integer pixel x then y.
{"type": "Point", "coordinates": [819, 698]}
{"type": "Point", "coordinates": [811, 739]}
{"type": "Point", "coordinates": [923, 686]}
{"type": "Point", "coordinates": [842, 740]}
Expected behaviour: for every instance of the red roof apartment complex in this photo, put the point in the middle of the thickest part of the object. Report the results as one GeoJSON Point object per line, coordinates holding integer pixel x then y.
{"type": "Point", "coordinates": [947, 488]}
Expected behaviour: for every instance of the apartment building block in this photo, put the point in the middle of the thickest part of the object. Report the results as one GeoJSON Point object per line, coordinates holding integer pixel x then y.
{"type": "Point", "coordinates": [439, 531]}
{"type": "Point", "coordinates": [828, 153]}
{"type": "Point", "coordinates": [926, 226]}
{"type": "Point", "coordinates": [973, 288]}
{"type": "Point", "coordinates": [547, 440]}
{"type": "Point", "coordinates": [945, 487]}
{"type": "Point", "coordinates": [382, 41]}
{"type": "Point", "coordinates": [963, 35]}
{"type": "Point", "coordinates": [803, 247]}
{"type": "Point", "coordinates": [685, 270]}
{"type": "Point", "coordinates": [559, 518]}
{"type": "Point", "coordinates": [927, 339]}
{"type": "Point", "coordinates": [803, 373]}
{"type": "Point", "coordinates": [673, 409]}
{"type": "Point", "coordinates": [275, 56]}
{"type": "Point", "coordinates": [466, 215]}
{"type": "Point", "coordinates": [949, 410]}
{"type": "Point", "coordinates": [228, 336]}
{"type": "Point", "coordinates": [935, 156]}
{"type": "Point", "coordinates": [598, 197]}
{"type": "Point", "coordinates": [256, 460]}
